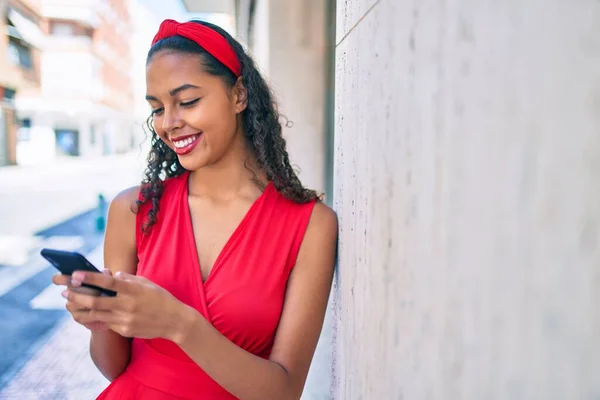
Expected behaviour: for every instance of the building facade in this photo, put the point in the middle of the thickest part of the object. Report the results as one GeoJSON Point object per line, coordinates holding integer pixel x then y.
{"type": "Point", "coordinates": [21, 38]}
{"type": "Point", "coordinates": [86, 94]}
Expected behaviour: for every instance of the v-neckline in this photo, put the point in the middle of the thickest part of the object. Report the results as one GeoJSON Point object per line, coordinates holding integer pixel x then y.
{"type": "Point", "coordinates": [228, 243]}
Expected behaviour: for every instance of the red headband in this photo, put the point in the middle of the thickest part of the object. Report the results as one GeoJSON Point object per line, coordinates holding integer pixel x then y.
{"type": "Point", "coordinates": [211, 41]}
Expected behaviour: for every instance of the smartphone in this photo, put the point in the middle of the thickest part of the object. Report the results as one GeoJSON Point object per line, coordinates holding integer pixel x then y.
{"type": "Point", "coordinates": [68, 262]}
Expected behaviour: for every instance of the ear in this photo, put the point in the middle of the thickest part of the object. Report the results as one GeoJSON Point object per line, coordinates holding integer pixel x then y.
{"type": "Point", "coordinates": [240, 96]}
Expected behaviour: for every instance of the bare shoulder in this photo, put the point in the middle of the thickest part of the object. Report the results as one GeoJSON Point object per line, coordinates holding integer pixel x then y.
{"type": "Point", "coordinates": [124, 202]}
{"type": "Point", "coordinates": [320, 240]}
{"type": "Point", "coordinates": [120, 251]}
{"type": "Point", "coordinates": [323, 224]}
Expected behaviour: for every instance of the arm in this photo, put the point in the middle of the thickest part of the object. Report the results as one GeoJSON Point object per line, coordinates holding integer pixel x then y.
{"type": "Point", "coordinates": [247, 376]}
{"type": "Point", "coordinates": [109, 350]}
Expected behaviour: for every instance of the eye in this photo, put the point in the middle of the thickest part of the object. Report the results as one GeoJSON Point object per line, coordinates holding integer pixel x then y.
{"type": "Point", "coordinates": [189, 103]}
{"type": "Point", "coordinates": [157, 111]}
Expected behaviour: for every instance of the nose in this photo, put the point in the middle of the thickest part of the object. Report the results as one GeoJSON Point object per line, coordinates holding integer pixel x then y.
{"type": "Point", "coordinates": [171, 120]}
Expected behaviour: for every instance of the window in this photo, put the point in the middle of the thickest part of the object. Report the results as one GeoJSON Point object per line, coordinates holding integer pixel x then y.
{"type": "Point", "coordinates": [9, 94]}
{"type": "Point", "coordinates": [13, 53]}
{"type": "Point", "coordinates": [62, 29]}
{"type": "Point", "coordinates": [93, 139]}
{"type": "Point", "coordinates": [23, 135]}
{"type": "Point", "coordinates": [19, 54]}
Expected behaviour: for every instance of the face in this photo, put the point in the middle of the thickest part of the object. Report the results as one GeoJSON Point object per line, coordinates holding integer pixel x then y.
{"type": "Point", "coordinates": [193, 112]}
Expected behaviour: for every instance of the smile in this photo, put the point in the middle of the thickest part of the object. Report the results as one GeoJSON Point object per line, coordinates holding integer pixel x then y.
{"type": "Point", "coordinates": [186, 144]}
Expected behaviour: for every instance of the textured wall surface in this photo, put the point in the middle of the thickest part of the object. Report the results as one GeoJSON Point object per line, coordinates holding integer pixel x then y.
{"type": "Point", "coordinates": [261, 38]}
{"type": "Point", "coordinates": [297, 72]}
{"type": "Point", "coordinates": [467, 184]}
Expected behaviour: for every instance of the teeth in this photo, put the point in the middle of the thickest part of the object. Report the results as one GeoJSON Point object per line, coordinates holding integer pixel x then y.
{"type": "Point", "coordinates": [185, 142]}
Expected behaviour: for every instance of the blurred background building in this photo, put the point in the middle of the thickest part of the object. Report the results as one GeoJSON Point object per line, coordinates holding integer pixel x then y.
{"type": "Point", "coordinates": [21, 39]}
{"type": "Point", "coordinates": [86, 94]}
{"type": "Point", "coordinates": [67, 80]}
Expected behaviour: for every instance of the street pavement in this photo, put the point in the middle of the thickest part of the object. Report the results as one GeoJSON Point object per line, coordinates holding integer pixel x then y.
{"type": "Point", "coordinates": [35, 197]}
{"type": "Point", "coordinates": [30, 306]}
{"type": "Point", "coordinates": [44, 353]}
{"type": "Point", "coordinates": [60, 366]}
{"type": "Point", "coordinates": [52, 205]}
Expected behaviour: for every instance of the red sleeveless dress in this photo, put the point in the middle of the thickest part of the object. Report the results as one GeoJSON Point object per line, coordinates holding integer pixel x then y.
{"type": "Point", "coordinates": [242, 296]}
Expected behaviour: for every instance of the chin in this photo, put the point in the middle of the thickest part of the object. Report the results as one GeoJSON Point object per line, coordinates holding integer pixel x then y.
{"type": "Point", "coordinates": [192, 163]}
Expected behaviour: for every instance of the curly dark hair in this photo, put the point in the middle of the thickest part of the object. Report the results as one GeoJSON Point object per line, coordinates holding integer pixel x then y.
{"type": "Point", "coordinates": [261, 124]}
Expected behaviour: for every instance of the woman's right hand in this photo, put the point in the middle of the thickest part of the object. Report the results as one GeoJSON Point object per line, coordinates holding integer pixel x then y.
{"type": "Point", "coordinates": [74, 309]}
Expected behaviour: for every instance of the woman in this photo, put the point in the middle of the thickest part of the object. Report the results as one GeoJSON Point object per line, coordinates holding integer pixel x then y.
{"type": "Point", "coordinates": [222, 260]}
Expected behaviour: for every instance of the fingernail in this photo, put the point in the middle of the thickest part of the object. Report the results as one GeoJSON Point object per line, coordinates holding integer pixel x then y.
{"type": "Point", "coordinates": [118, 274]}
{"type": "Point", "coordinates": [65, 294]}
{"type": "Point", "coordinates": [78, 276]}
{"type": "Point", "coordinates": [75, 282]}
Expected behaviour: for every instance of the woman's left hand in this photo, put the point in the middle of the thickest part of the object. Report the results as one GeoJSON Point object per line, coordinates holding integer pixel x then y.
{"type": "Point", "coordinates": [141, 308]}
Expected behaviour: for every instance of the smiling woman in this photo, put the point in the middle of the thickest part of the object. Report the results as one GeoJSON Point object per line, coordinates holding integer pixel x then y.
{"type": "Point", "coordinates": [222, 261]}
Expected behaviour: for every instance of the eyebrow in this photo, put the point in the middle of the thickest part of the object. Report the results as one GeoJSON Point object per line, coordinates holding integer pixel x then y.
{"type": "Point", "coordinates": [173, 92]}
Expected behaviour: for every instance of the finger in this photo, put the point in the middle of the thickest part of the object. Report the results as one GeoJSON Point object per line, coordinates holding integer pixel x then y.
{"type": "Point", "coordinates": [74, 308]}
{"type": "Point", "coordinates": [61, 280]}
{"type": "Point", "coordinates": [86, 290]}
{"type": "Point", "coordinates": [107, 271]}
{"type": "Point", "coordinates": [86, 301]}
{"type": "Point", "coordinates": [95, 317]}
{"type": "Point", "coordinates": [122, 330]}
{"type": "Point", "coordinates": [97, 326]}
{"type": "Point", "coordinates": [104, 281]}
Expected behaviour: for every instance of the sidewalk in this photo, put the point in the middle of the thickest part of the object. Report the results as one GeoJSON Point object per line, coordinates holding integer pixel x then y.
{"type": "Point", "coordinates": [62, 368]}
{"type": "Point", "coordinates": [34, 198]}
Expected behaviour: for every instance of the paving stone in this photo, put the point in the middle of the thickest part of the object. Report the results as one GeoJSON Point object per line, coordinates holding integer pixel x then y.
{"type": "Point", "coordinates": [61, 370]}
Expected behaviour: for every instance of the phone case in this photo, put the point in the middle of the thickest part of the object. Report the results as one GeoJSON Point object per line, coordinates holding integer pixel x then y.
{"type": "Point", "coordinates": [68, 262]}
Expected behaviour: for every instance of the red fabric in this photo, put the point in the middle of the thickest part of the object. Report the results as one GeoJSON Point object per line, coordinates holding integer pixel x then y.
{"type": "Point", "coordinates": [242, 296]}
{"type": "Point", "coordinates": [210, 40]}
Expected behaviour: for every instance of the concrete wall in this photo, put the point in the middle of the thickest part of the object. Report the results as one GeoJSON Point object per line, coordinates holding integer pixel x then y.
{"type": "Point", "coordinates": [467, 185]}
{"type": "Point", "coordinates": [260, 39]}
{"type": "Point", "coordinates": [290, 47]}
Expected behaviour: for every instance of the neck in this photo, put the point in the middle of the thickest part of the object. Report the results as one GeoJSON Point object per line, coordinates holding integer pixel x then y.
{"type": "Point", "coordinates": [232, 174]}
